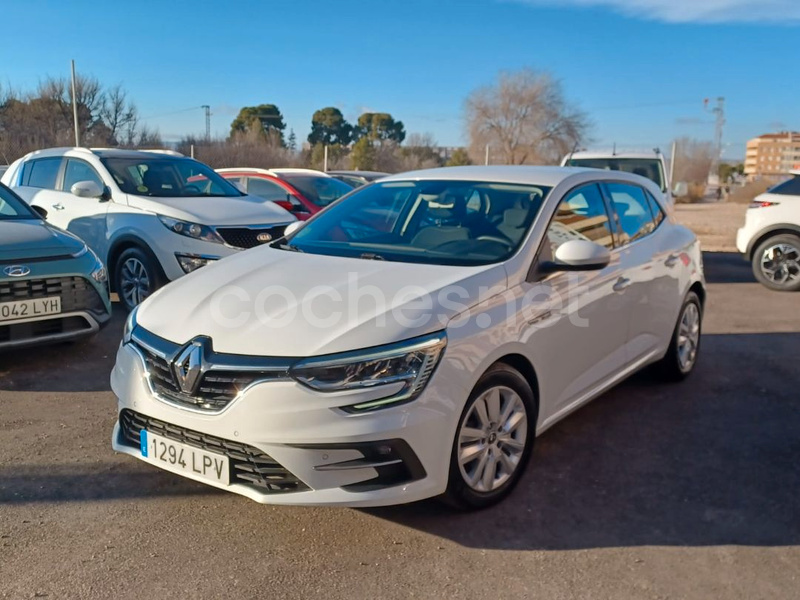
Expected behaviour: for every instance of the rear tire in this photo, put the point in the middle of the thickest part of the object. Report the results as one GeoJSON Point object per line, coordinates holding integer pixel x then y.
{"type": "Point", "coordinates": [136, 276]}
{"type": "Point", "coordinates": [776, 263]}
{"type": "Point", "coordinates": [493, 440]}
{"type": "Point", "coordinates": [684, 348]}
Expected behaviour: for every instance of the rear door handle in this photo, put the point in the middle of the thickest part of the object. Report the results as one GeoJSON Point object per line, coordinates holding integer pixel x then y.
{"type": "Point", "coordinates": [621, 284]}
{"type": "Point", "coordinates": [672, 260]}
{"type": "Point", "coordinates": [58, 206]}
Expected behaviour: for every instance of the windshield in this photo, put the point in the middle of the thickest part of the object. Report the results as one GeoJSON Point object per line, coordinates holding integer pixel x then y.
{"type": "Point", "coordinates": [431, 222]}
{"type": "Point", "coordinates": [646, 167]}
{"type": "Point", "coordinates": [13, 207]}
{"type": "Point", "coordinates": [320, 190]}
{"type": "Point", "coordinates": [168, 177]}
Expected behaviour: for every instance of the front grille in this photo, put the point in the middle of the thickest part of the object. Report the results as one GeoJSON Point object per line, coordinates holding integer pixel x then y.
{"type": "Point", "coordinates": [217, 388]}
{"type": "Point", "coordinates": [244, 237]}
{"type": "Point", "coordinates": [34, 330]}
{"type": "Point", "coordinates": [76, 292]}
{"type": "Point", "coordinates": [248, 465]}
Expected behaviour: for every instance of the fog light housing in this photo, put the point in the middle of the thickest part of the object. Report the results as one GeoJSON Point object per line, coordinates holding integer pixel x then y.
{"type": "Point", "coordinates": [192, 262]}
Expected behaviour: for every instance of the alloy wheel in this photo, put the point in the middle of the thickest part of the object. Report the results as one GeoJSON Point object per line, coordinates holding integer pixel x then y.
{"type": "Point", "coordinates": [688, 336]}
{"type": "Point", "coordinates": [134, 282]}
{"type": "Point", "coordinates": [780, 264]}
{"type": "Point", "coordinates": [491, 439]}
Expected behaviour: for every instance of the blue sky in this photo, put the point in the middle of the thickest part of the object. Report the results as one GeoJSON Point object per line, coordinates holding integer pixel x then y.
{"type": "Point", "coordinates": [639, 68]}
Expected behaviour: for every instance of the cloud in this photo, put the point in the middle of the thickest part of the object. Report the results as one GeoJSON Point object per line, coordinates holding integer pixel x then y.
{"type": "Point", "coordinates": [692, 11]}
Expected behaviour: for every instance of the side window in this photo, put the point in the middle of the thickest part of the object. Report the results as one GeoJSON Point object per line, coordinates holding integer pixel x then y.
{"type": "Point", "coordinates": [633, 211]}
{"type": "Point", "coordinates": [265, 189]}
{"type": "Point", "coordinates": [581, 215]}
{"type": "Point", "coordinates": [655, 209]}
{"type": "Point", "coordinates": [78, 170]}
{"type": "Point", "coordinates": [41, 173]}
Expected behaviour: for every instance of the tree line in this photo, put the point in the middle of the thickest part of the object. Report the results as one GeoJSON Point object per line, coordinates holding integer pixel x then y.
{"type": "Point", "coordinates": [43, 118]}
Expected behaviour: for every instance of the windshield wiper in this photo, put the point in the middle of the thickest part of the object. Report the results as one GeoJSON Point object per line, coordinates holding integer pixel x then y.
{"type": "Point", "coordinates": [371, 256]}
{"type": "Point", "coordinates": [290, 248]}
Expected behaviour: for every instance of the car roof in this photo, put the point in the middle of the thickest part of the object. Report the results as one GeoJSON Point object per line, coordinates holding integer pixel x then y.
{"type": "Point", "coordinates": [273, 172]}
{"type": "Point", "coordinates": [104, 152]}
{"type": "Point", "coordinates": [535, 175]}
{"type": "Point", "coordinates": [359, 173]}
{"type": "Point", "coordinates": [598, 154]}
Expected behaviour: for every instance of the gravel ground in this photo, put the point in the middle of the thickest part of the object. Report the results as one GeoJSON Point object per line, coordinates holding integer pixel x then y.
{"type": "Point", "coordinates": [651, 491]}
{"type": "Point", "coordinates": [715, 223]}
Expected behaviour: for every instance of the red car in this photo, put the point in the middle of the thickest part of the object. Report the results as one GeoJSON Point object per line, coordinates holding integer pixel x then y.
{"type": "Point", "coordinates": [303, 192]}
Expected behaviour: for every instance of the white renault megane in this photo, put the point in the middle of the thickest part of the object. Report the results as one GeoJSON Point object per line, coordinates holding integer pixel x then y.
{"type": "Point", "coordinates": [412, 339]}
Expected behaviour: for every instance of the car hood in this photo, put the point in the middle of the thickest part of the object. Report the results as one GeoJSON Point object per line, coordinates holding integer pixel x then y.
{"type": "Point", "coordinates": [268, 302]}
{"type": "Point", "coordinates": [33, 239]}
{"type": "Point", "coordinates": [243, 210]}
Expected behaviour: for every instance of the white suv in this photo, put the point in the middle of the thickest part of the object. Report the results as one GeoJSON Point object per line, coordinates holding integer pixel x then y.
{"type": "Point", "coordinates": [151, 216]}
{"type": "Point", "coordinates": [770, 237]}
{"type": "Point", "coordinates": [650, 165]}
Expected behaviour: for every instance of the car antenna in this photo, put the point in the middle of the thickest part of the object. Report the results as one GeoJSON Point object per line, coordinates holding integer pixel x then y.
{"type": "Point", "coordinates": [614, 151]}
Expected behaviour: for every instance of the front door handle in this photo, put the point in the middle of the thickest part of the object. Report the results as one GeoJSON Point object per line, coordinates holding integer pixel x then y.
{"type": "Point", "coordinates": [672, 260]}
{"type": "Point", "coordinates": [621, 284]}
{"type": "Point", "coordinates": [58, 206]}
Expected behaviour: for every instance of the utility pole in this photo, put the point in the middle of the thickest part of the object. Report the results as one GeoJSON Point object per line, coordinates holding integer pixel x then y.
{"type": "Point", "coordinates": [207, 109]}
{"type": "Point", "coordinates": [325, 160]}
{"type": "Point", "coordinates": [486, 160]}
{"type": "Point", "coordinates": [75, 107]}
{"type": "Point", "coordinates": [719, 124]}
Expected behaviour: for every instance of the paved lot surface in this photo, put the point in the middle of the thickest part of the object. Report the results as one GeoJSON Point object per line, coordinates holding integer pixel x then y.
{"type": "Point", "coordinates": [651, 491]}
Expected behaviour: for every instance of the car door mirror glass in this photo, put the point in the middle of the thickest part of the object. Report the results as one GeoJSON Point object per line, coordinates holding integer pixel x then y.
{"type": "Point", "coordinates": [579, 255]}
{"type": "Point", "coordinates": [86, 189]}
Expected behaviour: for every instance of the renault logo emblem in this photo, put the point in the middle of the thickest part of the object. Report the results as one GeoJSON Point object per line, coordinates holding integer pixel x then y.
{"type": "Point", "coordinates": [263, 238]}
{"type": "Point", "coordinates": [188, 366]}
{"type": "Point", "coordinates": [17, 271]}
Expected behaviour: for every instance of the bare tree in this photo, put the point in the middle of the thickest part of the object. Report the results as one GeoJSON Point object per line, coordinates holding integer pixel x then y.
{"type": "Point", "coordinates": [120, 116]}
{"type": "Point", "coordinates": [693, 159]}
{"type": "Point", "coordinates": [524, 118]}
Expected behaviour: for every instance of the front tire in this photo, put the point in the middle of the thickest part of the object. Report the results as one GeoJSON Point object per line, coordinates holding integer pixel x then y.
{"type": "Point", "coordinates": [684, 348]}
{"type": "Point", "coordinates": [136, 276]}
{"type": "Point", "coordinates": [493, 441]}
{"type": "Point", "coordinates": [776, 263]}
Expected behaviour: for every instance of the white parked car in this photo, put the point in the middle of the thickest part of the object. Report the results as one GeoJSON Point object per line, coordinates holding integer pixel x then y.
{"type": "Point", "coordinates": [770, 237]}
{"type": "Point", "coordinates": [412, 339]}
{"type": "Point", "coordinates": [150, 216]}
{"type": "Point", "coordinates": [645, 164]}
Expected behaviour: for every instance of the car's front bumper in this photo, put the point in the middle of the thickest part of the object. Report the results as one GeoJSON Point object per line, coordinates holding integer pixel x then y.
{"type": "Point", "coordinates": [84, 302]}
{"type": "Point", "coordinates": [338, 458]}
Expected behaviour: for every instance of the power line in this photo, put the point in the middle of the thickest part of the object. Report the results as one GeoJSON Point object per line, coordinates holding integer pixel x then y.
{"type": "Point", "coordinates": [174, 112]}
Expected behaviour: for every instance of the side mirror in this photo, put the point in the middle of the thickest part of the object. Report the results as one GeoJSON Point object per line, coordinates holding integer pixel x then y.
{"type": "Point", "coordinates": [292, 227]}
{"type": "Point", "coordinates": [578, 255]}
{"type": "Point", "coordinates": [87, 189]}
{"type": "Point", "coordinates": [285, 205]}
{"type": "Point", "coordinates": [39, 211]}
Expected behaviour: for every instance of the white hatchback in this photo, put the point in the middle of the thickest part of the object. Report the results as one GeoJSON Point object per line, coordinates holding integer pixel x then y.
{"type": "Point", "coordinates": [412, 339]}
{"type": "Point", "coordinates": [150, 216]}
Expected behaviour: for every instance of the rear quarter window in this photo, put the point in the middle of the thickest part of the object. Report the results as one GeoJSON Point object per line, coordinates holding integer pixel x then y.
{"type": "Point", "coordinates": [41, 173]}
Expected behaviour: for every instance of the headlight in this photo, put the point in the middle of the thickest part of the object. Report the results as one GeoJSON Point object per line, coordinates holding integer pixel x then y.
{"type": "Point", "coordinates": [192, 262]}
{"type": "Point", "coordinates": [130, 325]}
{"type": "Point", "coordinates": [99, 273]}
{"type": "Point", "coordinates": [409, 365]}
{"type": "Point", "coordinates": [192, 230]}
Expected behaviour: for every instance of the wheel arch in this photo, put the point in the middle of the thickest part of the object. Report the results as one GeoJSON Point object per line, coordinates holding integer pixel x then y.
{"type": "Point", "coordinates": [765, 234]}
{"type": "Point", "coordinates": [120, 245]}
{"type": "Point", "coordinates": [523, 365]}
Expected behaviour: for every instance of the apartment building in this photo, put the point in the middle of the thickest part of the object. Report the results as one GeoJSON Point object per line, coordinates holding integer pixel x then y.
{"type": "Point", "coordinates": [772, 156]}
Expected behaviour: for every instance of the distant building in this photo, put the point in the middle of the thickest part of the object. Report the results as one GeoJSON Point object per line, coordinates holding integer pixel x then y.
{"type": "Point", "coordinates": [772, 155]}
